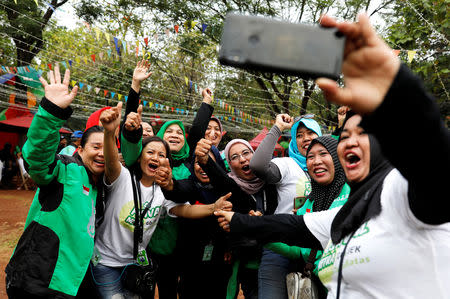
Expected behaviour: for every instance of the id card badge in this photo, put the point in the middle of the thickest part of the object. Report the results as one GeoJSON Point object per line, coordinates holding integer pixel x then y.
{"type": "Point", "coordinates": [141, 258]}
{"type": "Point", "coordinates": [207, 254]}
{"type": "Point", "coordinates": [96, 257]}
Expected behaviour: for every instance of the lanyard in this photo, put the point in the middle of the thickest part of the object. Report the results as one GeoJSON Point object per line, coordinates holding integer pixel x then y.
{"type": "Point", "coordinates": [138, 216]}
{"type": "Point", "coordinates": [264, 201]}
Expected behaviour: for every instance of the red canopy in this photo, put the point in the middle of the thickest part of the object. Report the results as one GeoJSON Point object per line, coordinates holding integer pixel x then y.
{"type": "Point", "coordinates": [257, 140]}
{"type": "Point", "coordinates": [25, 122]}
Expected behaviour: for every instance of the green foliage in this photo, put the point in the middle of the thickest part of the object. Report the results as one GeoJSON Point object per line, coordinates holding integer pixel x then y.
{"type": "Point", "coordinates": [430, 38]}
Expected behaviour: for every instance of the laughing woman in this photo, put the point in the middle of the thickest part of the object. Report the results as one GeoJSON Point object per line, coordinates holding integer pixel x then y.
{"type": "Point", "coordinates": [163, 242]}
{"type": "Point", "coordinates": [53, 253]}
{"type": "Point", "coordinates": [329, 190]}
{"type": "Point", "coordinates": [289, 175]}
{"type": "Point", "coordinates": [390, 198]}
{"type": "Point", "coordinates": [249, 195]}
{"type": "Point", "coordinates": [115, 235]}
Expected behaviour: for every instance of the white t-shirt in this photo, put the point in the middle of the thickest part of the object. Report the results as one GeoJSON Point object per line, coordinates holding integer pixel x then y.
{"type": "Point", "coordinates": [114, 237]}
{"type": "Point", "coordinates": [294, 183]}
{"type": "Point", "coordinates": [393, 255]}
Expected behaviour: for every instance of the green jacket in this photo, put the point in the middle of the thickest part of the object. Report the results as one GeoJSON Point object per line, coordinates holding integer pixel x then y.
{"type": "Point", "coordinates": [53, 253]}
{"type": "Point", "coordinates": [294, 252]}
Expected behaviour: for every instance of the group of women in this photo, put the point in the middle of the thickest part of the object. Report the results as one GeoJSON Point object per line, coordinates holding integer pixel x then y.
{"type": "Point", "coordinates": [211, 223]}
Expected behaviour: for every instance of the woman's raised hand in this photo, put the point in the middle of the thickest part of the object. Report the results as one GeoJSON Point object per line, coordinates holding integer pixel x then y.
{"type": "Point", "coordinates": [206, 94]}
{"type": "Point", "coordinates": [57, 92]}
{"type": "Point", "coordinates": [134, 119]}
{"type": "Point", "coordinates": [141, 71]}
{"type": "Point", "coordinates": [202, 150]}
{"type": "Point", "coordinates": [140, 74]}
{"type": "Point", "coordinates": [111, 118]}
{"type": "Point", "coordinates": [164, 175]}
{"type": "Point", "coordinates": [369, 67]}
{"type": "Point", "coordinates": [284, 122]}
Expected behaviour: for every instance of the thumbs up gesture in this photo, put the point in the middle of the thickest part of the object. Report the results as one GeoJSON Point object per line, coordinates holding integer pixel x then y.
{"type": "Point", "coordinates": [111, 118]}
{"type": "Point", "coordinates": [134, 119]}
{"type": "Point", "coordinates": [163, 175]}
{"type": "Point", "coordinates": [202, 150]}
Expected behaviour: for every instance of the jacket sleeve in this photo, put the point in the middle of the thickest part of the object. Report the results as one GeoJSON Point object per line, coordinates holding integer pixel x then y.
{"type": "Point", "coordinates": [39, 151]}
{"type": "Point", "coordinates": [132, 102]}
{"type": "Point", "coordinates": [261, 162]}
{"type": "Point", "coordinates": [131, 145]}
{"type": "Point", "coordinates": [199, 126]}
{"type": "Point", "coordinates": [414, 139]}
{"type": "Point", "coordinates": [291, 252]}
{"type": "Point", "coordinates": [286, 228]}
{"type": "Point", "coordinates": [224, 184]}
{"type": "Point", "coordinates": [183, 191]}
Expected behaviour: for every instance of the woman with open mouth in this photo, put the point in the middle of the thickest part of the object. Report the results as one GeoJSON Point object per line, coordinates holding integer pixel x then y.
{"type": "Point", "coordinates": [202, 244]}
{"type": "Point", "coordinates": [134, 204]}
{"type": "Point", "coordinates": [164, 239]}
{"type": "Point", "coordinates": [249, 195]}
{"type": "Point", "coordinates": [290, 176]}
{"type": "Point", "coordinates": [53, 253]}
{"type": "Point", "coordinates": [391, 198]}
{"type": "Point", "coordinates": [329, 190]}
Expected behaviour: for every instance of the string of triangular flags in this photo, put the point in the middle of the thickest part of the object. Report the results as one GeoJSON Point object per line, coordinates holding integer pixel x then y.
{"type": "Point", "coordinates": [411, 53]}
{"type": "Point", "coordinates": [236, 114]}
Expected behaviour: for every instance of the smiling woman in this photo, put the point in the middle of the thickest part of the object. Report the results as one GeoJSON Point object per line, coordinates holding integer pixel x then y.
{"type": "Point", "coordinates": [249, 195]}
{"type": "Point", "coordinates": [134, 206]}
{"type": "Point", "coordinates": [52, 255]}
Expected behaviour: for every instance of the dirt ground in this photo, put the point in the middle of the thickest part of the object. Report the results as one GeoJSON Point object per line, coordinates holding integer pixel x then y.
{"type": "Point", "coordinates": [14, 207]}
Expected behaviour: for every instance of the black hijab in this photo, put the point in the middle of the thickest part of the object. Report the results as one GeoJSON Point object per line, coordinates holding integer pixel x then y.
{"type": "Point", "coordinates": [323, 196]}
{"type": "Point", "coordinates": [207, 190]}
{"type": "Point", "coordinates": [364, 199]}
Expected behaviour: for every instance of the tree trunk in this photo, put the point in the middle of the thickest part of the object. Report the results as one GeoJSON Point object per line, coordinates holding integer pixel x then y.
{"type": "Point", "coordinates": [275, 109]}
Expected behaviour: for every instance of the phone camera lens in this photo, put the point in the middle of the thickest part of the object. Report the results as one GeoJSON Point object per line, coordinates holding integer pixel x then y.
{"type": "Point", "coordinates": [253, 39]}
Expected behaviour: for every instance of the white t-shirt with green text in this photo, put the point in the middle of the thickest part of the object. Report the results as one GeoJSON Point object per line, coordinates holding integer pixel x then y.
{"type": "Point", "coordinates": [293, 183]}
{"type": "Point", "coordinates": [114, 237]}
{"type": "Point", "coordinates": [393, 255]}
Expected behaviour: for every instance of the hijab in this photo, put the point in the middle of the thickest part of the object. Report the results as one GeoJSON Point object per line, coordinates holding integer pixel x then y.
{"type": "Point", "coordinates": [364, 201]}
{"type": "Point", "coordinates": [250, 187]}
{"type": "Point", "coordinates": [323, 196]}
{"type": "Point", "coordinates": [219, 123]}
{"type": "Point", "coordinates": [182, 154]}
{"type": "Point", "coordinates": [206, 189]}
{"type": "Point", "coordinates": [293, 148]}
{"type": "Point", "coordinates": [179, 171]}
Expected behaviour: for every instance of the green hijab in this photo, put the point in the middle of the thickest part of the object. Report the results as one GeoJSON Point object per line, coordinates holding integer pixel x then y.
{"type": "Point", "coordinates": [184, 152]}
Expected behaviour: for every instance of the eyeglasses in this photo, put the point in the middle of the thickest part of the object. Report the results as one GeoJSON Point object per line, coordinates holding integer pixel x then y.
{"type": "Point", "coordinates": [245, 154]}
{"type": "Point", "coordinates": [309, 116]}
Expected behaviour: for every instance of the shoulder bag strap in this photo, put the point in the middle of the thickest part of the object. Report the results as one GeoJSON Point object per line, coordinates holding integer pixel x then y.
{"type": "Point", "coordinates": [136, 198]}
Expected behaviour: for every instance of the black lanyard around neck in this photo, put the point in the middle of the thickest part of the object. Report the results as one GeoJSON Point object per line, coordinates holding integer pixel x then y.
{"type": "Point", "coordinates": [138, 215]}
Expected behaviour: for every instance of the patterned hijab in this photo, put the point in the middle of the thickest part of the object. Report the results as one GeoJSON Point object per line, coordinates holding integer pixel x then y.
{"type": "Point", "coordinates": [324, 195]}
{"type": "Point", "coordinates": [249, 187]}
